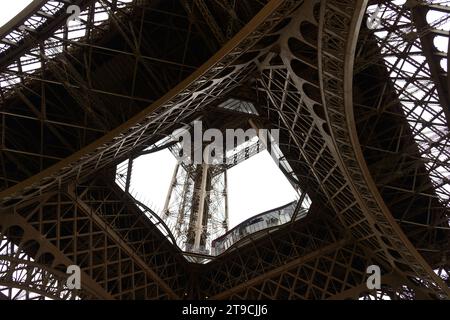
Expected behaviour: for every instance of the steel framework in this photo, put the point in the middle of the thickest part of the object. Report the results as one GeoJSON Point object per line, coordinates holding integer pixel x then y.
{"type": "Point", "coordinates": [362, 110]}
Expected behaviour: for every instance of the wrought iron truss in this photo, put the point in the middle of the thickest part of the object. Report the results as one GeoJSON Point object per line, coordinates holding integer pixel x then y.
{"type": "Point", "coordinates": [192, 184]}
{"type": "Point", "coordinates": [371, 154]}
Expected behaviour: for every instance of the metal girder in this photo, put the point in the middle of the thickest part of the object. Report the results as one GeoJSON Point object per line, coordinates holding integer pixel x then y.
{"type": "Point", "coordinates": [265, 253]}
{"type": "Point", "coordinates": [162, 113]}
{"type": "Point", "coordinates": [320, 134]}
{"type": "Point", "coordinates": [77, 75]}
{"type": "Point", "coordinates": [310, 259]}
{"type": "Point", "coordinates": [403, 131]}
{"type": "Point", "coordinates": [277, 272]}
{"type": "Point", "coordinates": [210, 21]}
{"type": "Point", "coordinates": [338, 100]}
{"type": "Point", "coordinates": [139, 233]}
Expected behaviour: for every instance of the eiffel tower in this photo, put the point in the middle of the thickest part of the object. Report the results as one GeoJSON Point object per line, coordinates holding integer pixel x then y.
{"type": "Point", "coordinates": [358, 90]}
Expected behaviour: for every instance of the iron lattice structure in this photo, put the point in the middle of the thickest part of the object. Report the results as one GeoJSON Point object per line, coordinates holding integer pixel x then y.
{"type": "Point", "coordinates": [363, 116]}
